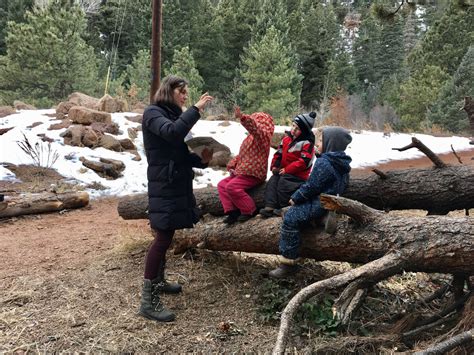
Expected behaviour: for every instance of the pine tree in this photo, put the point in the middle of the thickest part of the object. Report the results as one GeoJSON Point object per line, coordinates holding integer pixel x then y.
{"type": "Point", "coordinates": [271, 82]}
{"type": "Point", "coordinates": [417, 95]}
{"type": "Point", "coordinates": [365, 49]}
{"type": "Point", "coordinates": [389, 52]}
{"type": "Point", "coordinates": [446, 42]}
{"type": "Point", "coordinates": [47, 57]}
{"type": "Point", "coordinates": [446, 111]}
{"type": "Point", "coordinates": [319, 39]}
{"type": "Point", "coordinates": [184, 66]}
{"type": "Point", "coordinates": [137, 75]}
{"type": "Point", "coordinates": [11, 10]}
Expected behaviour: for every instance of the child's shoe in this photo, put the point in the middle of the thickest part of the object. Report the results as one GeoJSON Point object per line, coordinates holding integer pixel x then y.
{"type": "Point", "coordinates": [287, 268]}
{"type": "Point", "coordinates": [278, 212]}
{"type": "Point", "coordinates": [266, 212]}
{"type": "Point", "coordinates": [231, 217]}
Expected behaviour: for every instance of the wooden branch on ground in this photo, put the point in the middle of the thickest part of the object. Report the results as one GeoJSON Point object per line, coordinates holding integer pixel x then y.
{"type": "Point", "coordinates": [437, 191]}
{"type": "Point", "coordinates": [447, 345]}
{"type": "Point", "coordinates": [375, 271]}
{"type": "Point", "coordinates": [44, 202]}
{"type": "Point", "coordinates": [416, 143]}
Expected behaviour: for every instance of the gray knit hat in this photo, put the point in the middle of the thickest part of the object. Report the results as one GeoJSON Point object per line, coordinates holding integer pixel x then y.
{"type": "Point", "coordinates": [305, 121]}
{"type": "Point", "coordinates": [335, 139]}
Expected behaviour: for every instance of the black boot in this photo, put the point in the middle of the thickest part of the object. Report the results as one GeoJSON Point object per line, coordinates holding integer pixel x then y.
{"type": "Point", "coordinates": [231, 217]}
{"type": "Point", "coordinates": [151, 306]}
{"type": "Point", "coordinates": [165, 286]}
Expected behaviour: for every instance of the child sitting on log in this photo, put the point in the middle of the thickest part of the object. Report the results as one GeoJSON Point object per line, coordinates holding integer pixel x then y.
{"type": "Point", "coordinates": [248, 169]}
{"type": "Point", "coordinates": [291, 165]}
{"type": "Point", "coordinates": [330, 175]}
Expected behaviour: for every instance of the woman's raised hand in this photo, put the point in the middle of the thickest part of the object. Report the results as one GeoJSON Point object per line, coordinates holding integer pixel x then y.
{"type": "Point", "coordinates": [203, 101]}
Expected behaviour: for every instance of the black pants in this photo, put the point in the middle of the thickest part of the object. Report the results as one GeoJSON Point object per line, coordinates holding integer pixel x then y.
{"type": "Point", "coordinates": [280, 188]}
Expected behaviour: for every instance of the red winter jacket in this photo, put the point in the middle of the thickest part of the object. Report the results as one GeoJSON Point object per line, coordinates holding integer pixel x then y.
{"type": "Point", "coordinates": [295, 156]}
{"type": "Point", "coordinates": [254, 150]}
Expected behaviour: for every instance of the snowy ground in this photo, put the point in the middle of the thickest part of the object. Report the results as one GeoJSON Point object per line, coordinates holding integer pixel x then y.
{"type": "Point", "coordinates": [367, 149]}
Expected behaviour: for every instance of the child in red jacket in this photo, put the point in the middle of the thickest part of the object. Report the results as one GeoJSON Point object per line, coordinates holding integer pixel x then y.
{"type": "Point", "coordinates": [291, 165]}
{"type": "Point", "coordinates": [248, 168]}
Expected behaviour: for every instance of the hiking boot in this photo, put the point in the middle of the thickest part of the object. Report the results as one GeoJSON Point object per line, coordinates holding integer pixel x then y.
{"type": "Point", "coordinates": [151, 306]}
{"type": "Point", "coordinates": [330, 224]}
{"type": "Point", "coordinates": [266, 212]}
{"type": "Point", "coordinates": [231, 217]}
{"type": "Point", "coordinates": [163, 285]}
{"type": "Point", "coordinates": [284, 271]}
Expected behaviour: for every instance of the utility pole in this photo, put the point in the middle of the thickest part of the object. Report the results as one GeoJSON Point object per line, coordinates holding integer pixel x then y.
{"type": "Point", "coordinates": [155, 47]}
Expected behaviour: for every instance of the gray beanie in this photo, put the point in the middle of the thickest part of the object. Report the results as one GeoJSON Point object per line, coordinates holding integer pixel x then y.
{"type": "Point", "coordinates": [335, 139]}
{"type": "Point", "coordinates": [305, 121]}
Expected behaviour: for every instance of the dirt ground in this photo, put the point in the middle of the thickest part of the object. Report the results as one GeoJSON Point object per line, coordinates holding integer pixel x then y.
{"type": "Point", "coordinates": [71, 281]}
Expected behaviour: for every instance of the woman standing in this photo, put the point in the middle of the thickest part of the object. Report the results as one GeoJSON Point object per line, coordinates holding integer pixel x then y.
{"type": "Point", "coordinates": [171, 203]}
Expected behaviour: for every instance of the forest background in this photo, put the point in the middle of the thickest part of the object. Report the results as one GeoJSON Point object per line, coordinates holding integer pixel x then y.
{"type": "Point", "coordinates": [382, 65]}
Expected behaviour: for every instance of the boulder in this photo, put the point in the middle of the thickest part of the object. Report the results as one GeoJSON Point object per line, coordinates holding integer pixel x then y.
{"type": "Point", "coordinates": [90, 138]}
{"type": "Point", "coordinates": [111, 143]}
{"type": "Point", "coordinates": [80, 99]}
{"type": "Point", "coordinates": [63, 109]}
{"type": "Point", "coordinates": [132, 133]}
{"type": "Point", "coordinates": [87, 116]}
{"type": "Point", "coordinates": [102, 127]}
{"type": "Point", "coordinates": [65, 123]}
{"type": "Point", "coordinates": [136, 119]}
{"type": "Point", "coordinates": [6, 111]}
{"type": "Point", "coordinates": [20, 105]}
{"type": "Point", "coordinates": [127, 144]}
{"type": "Point", "coordinates": [222, 153]}
{"type": "Point", "coordinates": [73, 135]}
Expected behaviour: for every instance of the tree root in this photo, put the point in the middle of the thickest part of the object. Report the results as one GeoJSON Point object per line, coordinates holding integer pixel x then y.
{"type": "Point", "coordinates": [445, 346]}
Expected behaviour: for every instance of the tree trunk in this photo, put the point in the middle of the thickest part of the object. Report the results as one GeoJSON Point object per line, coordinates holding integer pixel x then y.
{"type": "Point", "coordinates": [436, 190]}
{"type": "Point", "coordinates": [41, 203]}
{"type": "Point", "coordinates": [440, 244]}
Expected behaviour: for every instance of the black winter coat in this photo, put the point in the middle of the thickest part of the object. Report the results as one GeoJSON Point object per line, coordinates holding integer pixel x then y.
{"type": "Point", "coordinates": [171, 203]}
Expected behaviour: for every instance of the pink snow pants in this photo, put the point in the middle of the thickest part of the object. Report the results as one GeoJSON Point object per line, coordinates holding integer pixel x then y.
{"type": "Point", "coordinates": [233, 195]}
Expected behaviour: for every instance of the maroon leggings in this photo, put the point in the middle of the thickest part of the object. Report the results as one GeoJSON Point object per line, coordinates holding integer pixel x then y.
{"type": "Point", "coordinates": [156, 256]}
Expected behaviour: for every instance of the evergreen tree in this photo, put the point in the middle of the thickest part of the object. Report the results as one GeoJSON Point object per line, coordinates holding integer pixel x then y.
{"type": "Point", "coordinates": [417, 95]}
{"type": "Point", "coordinates": [177, 28]}
{"type": "Point", "coordinates": [410, 33]}
{"type": "Point", "coordinates": [184, 66]}
{"type": "Point", "coordinates": [271, 13]}
{"type": "Point", "coordinates": [137, 76]}
{"type": "Point", "coordinates": [446, 42]}
{"type": "Point", "coordinates": [123, 27]}
{"type": "Point", "coordinates": [446, 110]}
{"type": "Point", "coordinates": [11, 10]}
{"type": "Point", "coordinates": [47, 57]}
{"type": "Point", "coordinates": [208, 51]}
{"type": "Point", "coordinates": [271, 82]}
{"type": "Point", "coordinates": [319, 39]}
{"type": "Point", "coordinates": [389, 51]}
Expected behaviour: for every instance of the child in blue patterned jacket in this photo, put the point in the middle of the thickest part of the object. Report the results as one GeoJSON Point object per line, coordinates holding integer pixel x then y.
{"type": "Point", "coordinates": [330, 175]}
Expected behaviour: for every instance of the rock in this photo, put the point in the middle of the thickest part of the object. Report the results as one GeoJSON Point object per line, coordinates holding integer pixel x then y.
{"type": "Point", "coordinates": [109, 142]}
{"type": "Point", "coordinates": [63, 109]}
{"type": "Point", "coordinates": [34, 124]}
{"type": "Point", "coordinates": [132, 133]}
{"type": "Point", "coordinates": [107, 168]}
{"type": "Point", "coordinates": [222, 153]}
{"type": "Point", "coordinates": [127, 144]}
{"type": "Point", "coordinates": [101, 127]}
{"type": "Point", "coordinates": [87, 116]}
{"type": "Point", "coordinates": [5, 130]}
{"type": "Point", "coordinates": [136, 119]}
{"type": "Point", "coordinates": [80, 99]}
{"type": "Point", "coordinates": [6, 111]}
{"type": "Point", "coordinates": [90, 138]}
{"type": "Point", "coordinates": [73, 135]}
{"type": "Point", "coordinates": [63, 124]}
{"type": "Point", "coordinates": [45, 138]}
{"type": "Point", "coordinates": [20, 105]}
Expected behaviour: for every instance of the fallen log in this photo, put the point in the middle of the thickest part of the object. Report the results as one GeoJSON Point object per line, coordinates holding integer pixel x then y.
{"type": "Point", "coordinates": [42, 203]}
{"type": "Point", "coordinates": [436, 190]}
{"type": "Point", "coordinates": [437, 243]}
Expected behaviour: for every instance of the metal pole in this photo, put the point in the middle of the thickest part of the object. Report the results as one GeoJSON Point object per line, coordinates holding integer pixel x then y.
{"type": "Point", "coordinates": [155, 48]}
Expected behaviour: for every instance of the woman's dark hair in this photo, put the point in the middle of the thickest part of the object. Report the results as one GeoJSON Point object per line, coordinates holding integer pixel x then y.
{"type": "Point", "coordinates": [164, 95]}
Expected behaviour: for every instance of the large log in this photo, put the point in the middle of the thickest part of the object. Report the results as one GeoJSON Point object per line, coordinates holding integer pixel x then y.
{"type": "Point", "coordinates": [434, 243]}
{"type": "Point", "coordinates": [42, 203]}
{"type": "Point", "coordinates": [436, 190]}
